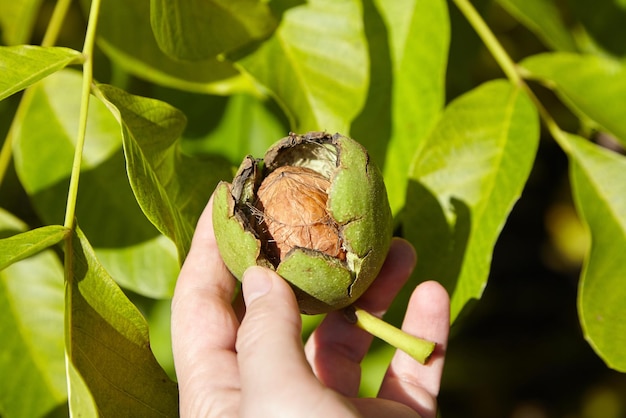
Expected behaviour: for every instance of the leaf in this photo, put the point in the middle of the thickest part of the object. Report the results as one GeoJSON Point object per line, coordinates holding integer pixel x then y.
{"type": "Point", "coordinates": [316, 65]}
{"type": "Point", "coordinates": [603, 21]}
{"type": "Point", "coordinates": [17, 20]}
{"type": "Point", "coordinates": [247, 127]}
{"type": "Point", "coordinates": [109, 344]}
{"type": "Point", "coordinates": [171, 188]}
{"type": "Point", "coordinates": [24, 65]}
{"type": "Point", "coordinates": [135, 50]}
{"type": "Point", "coordinates": [543, 18]}
{"type": "Point", "coordinates": [599, 188]}
{"type": "Point", "coordinates": [464, 183]}
{"type": "Point", "coordinates": [32, 362]}
{"type": "Point", "coordinates": [159, 320]}
{"type": "Point", "coordinates": [81, 403]}
{"type": "Point", "coordinates": [27, 244]}
{"type": "Point", "coordinates": [201, 29]}
{"type": "Point", "coordinates": [128, 245]}
{"type": "Point", "coordinates": [419, 36]}
{"type": "Point", "coordinates": [592, 86]}
{"type": "Point", "coordinates": [372, 126]}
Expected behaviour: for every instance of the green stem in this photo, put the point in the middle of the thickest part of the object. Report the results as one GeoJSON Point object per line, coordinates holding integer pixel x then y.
{"type": "Point", "coordinates": [56, 22]}
{"type": "Point", "coordinates": [418, 348]}
{"type": "Point", "coordinates": [90, 37]}
{"type": "Point", "coordinates": [509, 68]}
{"type": "Point", "coordinates": [49, 39]}
{"type": "Point", "coordinates": [72, 195]}
{"type": "Point", "coordinates": [490, 40]}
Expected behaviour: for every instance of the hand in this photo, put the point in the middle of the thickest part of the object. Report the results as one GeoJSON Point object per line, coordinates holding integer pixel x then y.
{"type": "Point", "coordinates": [231, 364]}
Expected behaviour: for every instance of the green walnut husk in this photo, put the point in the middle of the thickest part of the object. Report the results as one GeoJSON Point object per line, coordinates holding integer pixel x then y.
{"type": "Point", "coordinates": [357, 209]}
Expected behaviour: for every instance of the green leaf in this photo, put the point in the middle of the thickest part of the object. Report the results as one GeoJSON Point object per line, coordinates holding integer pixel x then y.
{"type": "Point", "coordinates": [543, 18]}
{"type": "Point", "coordinates": [159, 321]}
{"type": "Point", "coordinates": [418, 38]}
{"type": "Point", "coordinates": [108, 342]}
{"type": "Point", "coordinates": [201, 29]}
{"type": "Point", "coordinates": [464, 183]}
{"type": "Point", "coordinates": [17, 20]}
{"type": "Point", "coordinates": [128, 245]}
{"type": "Point", "coordinates": [593, 86]}
{"type": "Point", "coordinates": [31, 324]}
{"type": "Point", "coordinates": [26, 244]}
{"type": "Point", "coordinates": [372, 127]}
{"type": "Point", "coordinates": [599, 188]}
{"type": "Point", "coordinates": [81, 403]}
{"type": "Point", "coordinates": [24, 65]}
{"type": "Point", "coordinates": [247, 127]}
{"type": "Point", "coordinates": [136, 51]}
{"type": "Point", "coordinates": [603, 21]}
{"type": "Point", "coordinates": [316, 65]}
{"type": "Point", "coordinates": [171, 187]}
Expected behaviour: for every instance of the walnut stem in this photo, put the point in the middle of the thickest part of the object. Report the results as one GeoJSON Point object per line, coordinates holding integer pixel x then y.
{"type": "Point", "coordinates": [416, 347]}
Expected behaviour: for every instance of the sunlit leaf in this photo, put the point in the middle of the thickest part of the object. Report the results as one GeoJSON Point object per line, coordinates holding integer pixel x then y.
{"type": "Point", "coordinates": [599, 188]}
{"type": "Point", "coordinates": [24, 65]}
{"type": "Point", "coordinates": [109, 344]}
{"type": "Point", "coordinates": [81, 403]}
{"type": "Point", "coordinates": [201, 29]}
{"type": "Point", "coordinates": [125, 35]}
{"type": "Point", "coordinates": [27, 244]}
{"type": "Point", "coordinates": [543, 18]}
{"type": "Point", "coordinates": [316, 65]}
{"type": "Point", "coordinates": [593, 86]}
{"type": "Point", "coordinates": [31, 324]}
{"type": "Point", "coordinates": [130, 248]}
{"type": "Point", "coordinates": [418, 38]}
{"type": "Point", "coordinates": [171, 187]}
{"type": "Point", "coordinates": [465, 181]}
{"type": "Point", "coordinates": [17, 20]}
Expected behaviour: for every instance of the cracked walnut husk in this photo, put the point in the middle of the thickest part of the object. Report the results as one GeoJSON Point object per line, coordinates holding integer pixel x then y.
{"type": "Point", "coordinates": [315, 210]}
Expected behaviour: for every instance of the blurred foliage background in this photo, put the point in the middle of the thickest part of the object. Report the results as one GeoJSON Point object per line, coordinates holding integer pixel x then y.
{"type": "Point", "coordinates": [518, 352]}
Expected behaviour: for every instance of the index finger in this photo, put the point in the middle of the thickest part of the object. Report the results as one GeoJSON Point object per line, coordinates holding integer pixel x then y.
{"type": "Point", "coordinates": [204, 325]}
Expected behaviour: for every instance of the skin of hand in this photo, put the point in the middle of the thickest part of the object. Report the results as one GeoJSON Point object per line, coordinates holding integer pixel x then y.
{"type": "Point", "coordinates": [253, 364]}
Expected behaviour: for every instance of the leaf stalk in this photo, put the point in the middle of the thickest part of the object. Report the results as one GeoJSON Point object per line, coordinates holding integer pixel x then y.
{"type": "Point", "coordinates": [88, 47]}
{"type": "Point", "coordinates": [509, 68]}
{"type": "Point", "coordinates": [416, 347]}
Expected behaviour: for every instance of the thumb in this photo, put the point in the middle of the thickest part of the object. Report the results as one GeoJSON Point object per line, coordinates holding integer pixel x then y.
{"type": "Point", "coordinates": [270, 353]}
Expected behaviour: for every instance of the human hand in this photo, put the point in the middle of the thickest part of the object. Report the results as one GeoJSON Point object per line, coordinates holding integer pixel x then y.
{"type": "Point", "coordinates": [231, 364]}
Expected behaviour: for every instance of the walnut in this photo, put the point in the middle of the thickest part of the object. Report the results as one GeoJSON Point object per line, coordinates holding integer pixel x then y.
{"type": "Point", "coordinates": [293, 213]}
{"type": "Point", "coordinates": [314, 209]}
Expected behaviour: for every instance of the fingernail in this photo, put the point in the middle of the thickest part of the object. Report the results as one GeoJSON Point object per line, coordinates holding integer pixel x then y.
{"type": "Point", "coordinates": [256, 283]}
